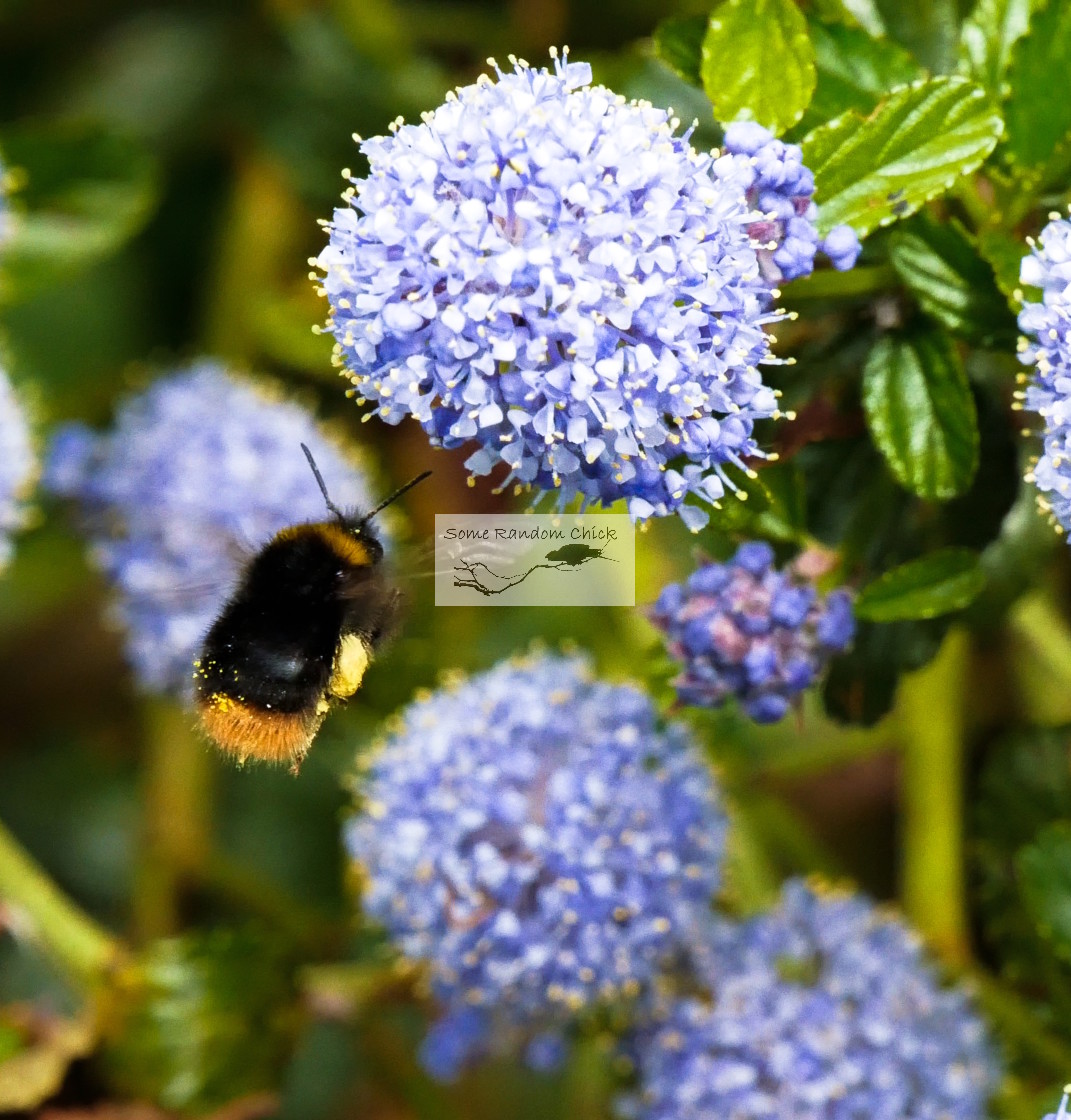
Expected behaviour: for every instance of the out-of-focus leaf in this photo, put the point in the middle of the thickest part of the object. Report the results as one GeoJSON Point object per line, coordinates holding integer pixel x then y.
{"type": "Point", "coordinates": [87, 192]}
{"type": "Point", "coordinates": [861, 685]}
{"type": "Point", "coordinates": [1014, 559]}
{"type": "Point", "coordinates": [954, 284]}
{"type": "Point", "coordinates": [46, 1046]}
{"type": "Point", "coordinates": [769, 505]}
{"type": "Point", "coordinates": [869, 172]}
{"type": "Point", "coordinates": [678, 42]}
{"type": "Point", "coordinates": [928, 28]}
{"type": "Point", "coordinates": [940, 583]}
{"type": "Point", "coordinates": [851, 12]}
{"type": "Point", "coordinates": [1044, 869]}
{"type": "Point", "coordinates": [205, 1019]}
{"type": "Point", "coordinates": [1023, 790]}
{"type": "Point", "coordinates": [854, 70]}
{"type": "Point", "coordinates": [987, 38]}
{"type": "Point", "coordinates": [282, 326]}
{"type": "Point", "coordinates": [920, 411]}
{"type": "Point", "coordinates": [156, 75]}
{"type": "Point", "coordinates": [1038, 117]}
{"type": "Point", "coordinates": [758, 62]}
{"type": "Point", "coordinates": [1005, 253]}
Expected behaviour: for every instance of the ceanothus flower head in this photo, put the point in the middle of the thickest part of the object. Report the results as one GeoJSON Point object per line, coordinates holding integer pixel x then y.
{"type": "Point", "coordinates": [542, 844]}
{"type": "Point", "coordinates": [201, 469]}
{"type": "Point", "coordinates": [547, 271]}
{"type": "Point", "coordinates": [823, 1009]}
{"type": "Point", "coordinates": [18, 466]}
{"type": "Point", "coordinates": [780, 186]}
{"type": "Point", "coordinates": [750, 630]}
{"type": "Point", "coordinates": [1048, 348]}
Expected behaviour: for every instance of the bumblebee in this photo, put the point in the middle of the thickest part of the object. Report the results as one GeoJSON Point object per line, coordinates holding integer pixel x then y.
{"type": "Point", "coordinates": [297, 635]}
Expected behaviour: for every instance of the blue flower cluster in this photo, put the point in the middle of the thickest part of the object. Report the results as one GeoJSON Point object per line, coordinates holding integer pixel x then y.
{"type": "Point", "coordinates": [550, 272]}
{"type": "Point", "coordinates": [823, 1009]}
{"type": "Point", "coordinates": [778, 185]}
{"type": "Point", "coordinates": [749, 630]}
{"type": "Point", "coordinates": [1048, 323]}
{"type": "Point", "coordinates": [18, 466]}
{"type": "Point", "coordinates": [542, 844]}
{"type": "Point", "coordinates": [201, 469]}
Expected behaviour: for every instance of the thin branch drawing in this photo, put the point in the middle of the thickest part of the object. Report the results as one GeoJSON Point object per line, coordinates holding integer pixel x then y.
{"type": "Point", "coordinates": [568, 557]}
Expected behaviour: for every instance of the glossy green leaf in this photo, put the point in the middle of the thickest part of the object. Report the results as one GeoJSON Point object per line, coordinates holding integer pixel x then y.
{"type": "Point", "coordinates": [934, 585]}
{"type": "Point", "coordinates": [854, 70]}
{"type": "Point", "coordinates": [870, 172]}
{"type": "Point", "coordinates": [1037, 112]}
{"type": "Point", "coordinates": [987, 38]}
{"type": "Point", "coordinates": [86, 193]}
{"type": "Point", "coordinates": [1044, 869]}
{"type": "Point", "coordinates": [758, 62]}
{"type": "Point", "coordinates": [953, 283]}
{"type": "Point", "coordinates": [678, 42]}
{"type": "Point", "coordinates": [921, 413]}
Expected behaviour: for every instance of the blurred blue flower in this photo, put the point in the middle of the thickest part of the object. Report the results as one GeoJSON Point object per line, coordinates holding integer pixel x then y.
{"type": "Point", "coordinates": [18, 466]}
{"type": "Point", "coordinates": [823, 1009]}
{"type": "Point", "coordinates": [545, 270]}
{"type": "Point", "coordinates": [201, 470]}
{"type": "Point", "coordinates": [1048, 348]}
{"type": "Point", "coordinates": [749, 630]}
{"type": "Point", "coordinates": [777, 184]}
{"type": "Point", "coordinates": [542, 844]}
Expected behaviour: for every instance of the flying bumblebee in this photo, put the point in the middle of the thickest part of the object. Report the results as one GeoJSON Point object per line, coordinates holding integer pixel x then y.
{"type": "Point", "coordinates": [308, 614]}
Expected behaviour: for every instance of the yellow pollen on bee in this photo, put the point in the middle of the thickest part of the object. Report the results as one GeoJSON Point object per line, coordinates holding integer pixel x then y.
{"type": "Point", "coordinates": [351, 661]}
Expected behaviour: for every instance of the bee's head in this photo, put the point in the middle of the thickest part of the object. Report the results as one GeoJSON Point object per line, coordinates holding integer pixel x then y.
{"type": "Point", "coordinates": [359, 524]}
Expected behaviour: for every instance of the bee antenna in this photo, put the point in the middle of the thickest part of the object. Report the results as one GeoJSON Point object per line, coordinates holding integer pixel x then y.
{"type": "Point", "coordinates": [395, 496]}
{"type": "Point", "coordinates": [323, 487]}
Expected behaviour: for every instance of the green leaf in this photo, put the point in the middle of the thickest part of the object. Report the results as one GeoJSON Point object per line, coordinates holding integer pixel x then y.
{"type": "Point", "coordinates": [205, 1020]}
{"type": "Point", "coordinates": [952, 282]}
{"type": "Point", "coordinates": [987, 39]}
{"type": "Point", "coordinates": [928, 28]}
{"type": "Point", "coordinates": [861, 685]}
{"type": "Point", "coordinates": [758, 62]}
{"type": "Point", "coordinates": [913, 147]}
{"type": "Point", "coordinates": [1037, 113]}
{"type": "Point", "coordinates": [1023, 788]}
{"type": "Point", "coordinates": [1044, 869]}
{"type": "Point", "coordinates": [87, 192]}
{"type": "Point", "coordinates": [944, 581]}
{"type": "Point", "coordinates": [1004, 252]}
{"type": "Point", "coordinates": [854, 70]}
{"type": "Point", "coordinates": [920, 411]}
{"type": "Point", "coordinates": [851, 12]}
{"type": "Point", "coordinates": [678, 42]}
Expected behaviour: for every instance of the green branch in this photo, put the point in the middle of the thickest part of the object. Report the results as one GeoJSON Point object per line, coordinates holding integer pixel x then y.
{"type": "Point", "coordinates": [931, 721]}
{"type": "Point", "coordinates": [83, 948]}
